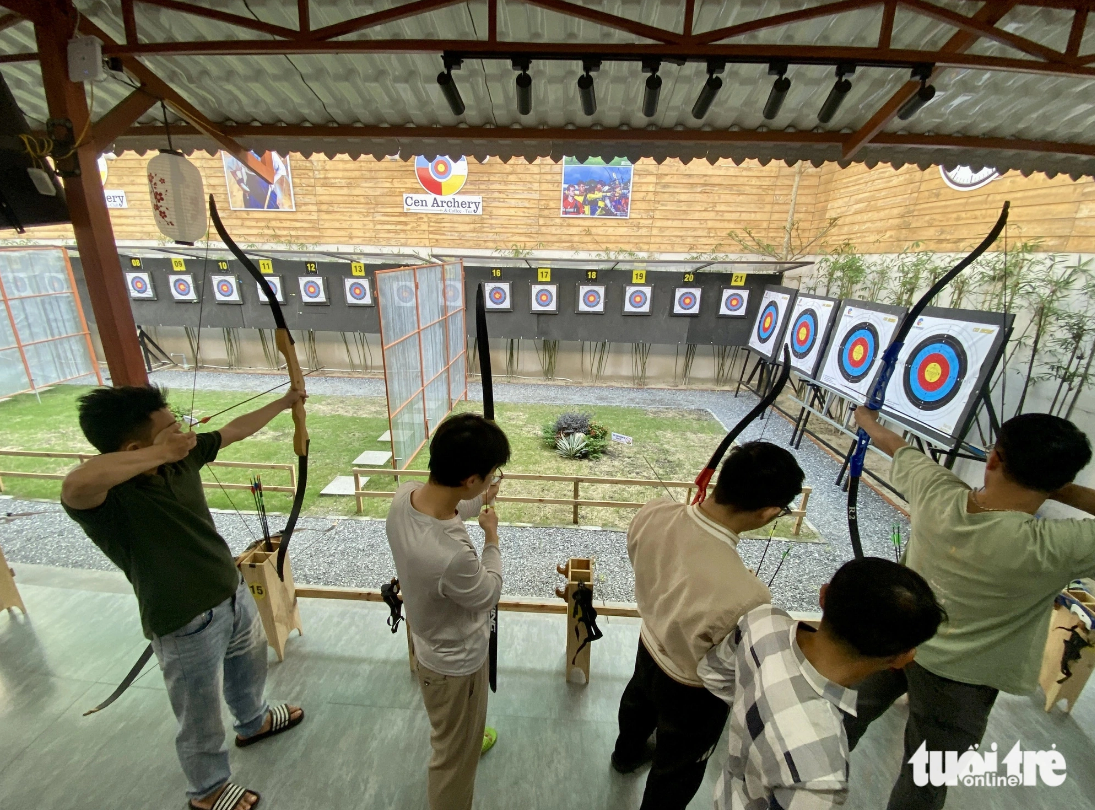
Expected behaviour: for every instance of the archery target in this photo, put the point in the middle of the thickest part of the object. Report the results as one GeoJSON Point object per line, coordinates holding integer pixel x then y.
{"type": "Point", "coordinates": [686, 301]}
{"type": "Point", "coordinates": [358, 292]}
{"type": "Point", "coordinates": [442, 175]}
{"type": "Point", "coordinates": [182, 287]}
{"type": "Point", "coordinates": [404, 294]}
{"type": "Point", "coordinates": [140, 286]}
{"type": "Point", "coordinates": [810, 322]}
{"type": "Point", "coordinates": [313, 289]}
{"type": "Point", "coordinates": [858, 351]}
{"type": "Point", "coordinates": [637, 300]}
{"type": "Point", "coordinates": [57, 282]}
{"type": "Point", "coordinates": [934, 372]}
{"type": "Point", "coordinates": [454, 295]}
{"type": "Point", "coordinates": [545, 298]}
{"type": "Point", "coordinates": [275, 284]}
{"type": "Point", "coordinates": [942, 369]}
{"type": "Point", "coordinates": [226, 289]}
{"type": "Point", "coordinates": [733, 303]}
{"type": "Point", "coordinates": [766, 339]}
{"type": "Point", "coordinates": [858, 342]}
{"type": "Point", "coordinates": [496, 296]}
{"type": "Point", "coordinates": [591, 298]}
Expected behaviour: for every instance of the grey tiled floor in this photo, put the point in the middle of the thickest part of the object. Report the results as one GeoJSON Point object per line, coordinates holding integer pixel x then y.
{"type": "Point", "coordinates": [366, 739]}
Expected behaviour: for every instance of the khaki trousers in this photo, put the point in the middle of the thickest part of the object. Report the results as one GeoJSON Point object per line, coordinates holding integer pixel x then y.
{"type": "Point", "coordinates": [457, 707]}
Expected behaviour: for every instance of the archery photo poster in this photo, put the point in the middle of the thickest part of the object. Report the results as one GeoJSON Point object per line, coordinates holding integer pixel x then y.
{"type": "Point", "coordinates": [942, 369]}
{"type": "Point", "coordinates": [249, 192]}
{"type": "Point", "coordinates": [811, 322]}
{"type": "Point", "coordinates": [766, 338]}
{"type": "Point", "coordinates": [594, 188]}
{"type": "Point", "coordinates": [856, 345]}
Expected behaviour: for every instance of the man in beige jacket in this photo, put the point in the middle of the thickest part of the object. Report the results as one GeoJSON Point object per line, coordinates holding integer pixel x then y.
{"type": "Point", "coordinates": [692, 588]}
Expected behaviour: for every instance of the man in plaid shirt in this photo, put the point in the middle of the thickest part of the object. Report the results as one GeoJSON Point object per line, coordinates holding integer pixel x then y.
{"type": "Point", "coordinates": [788, 684]}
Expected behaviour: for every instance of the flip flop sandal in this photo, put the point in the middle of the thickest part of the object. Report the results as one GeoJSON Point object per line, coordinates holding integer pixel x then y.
{"type": "Point", "coordinates": [230, 797]}
{"type": "Point", "coordinates": [490, 737]}
{"type": "Point", "coordinates": [280, 720]}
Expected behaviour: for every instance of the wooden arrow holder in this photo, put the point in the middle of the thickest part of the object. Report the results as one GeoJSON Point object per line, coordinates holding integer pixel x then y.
{"type": "Point", "coordinates": [276, 600]}
{"type": "Point", "coordinates": [577, 570]}
{"type": "Point", "coordinates": [9, 594]}
{"type": "Point", "coordinates": [1061, 622]}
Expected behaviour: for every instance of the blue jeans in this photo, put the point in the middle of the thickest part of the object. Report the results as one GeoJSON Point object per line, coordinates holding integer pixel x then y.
{"type": "Point", "coordinates": [221, 651]}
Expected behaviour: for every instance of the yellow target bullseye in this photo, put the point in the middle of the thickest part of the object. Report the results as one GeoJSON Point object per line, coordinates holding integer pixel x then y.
{"type": "Point", "coordinates": [857, 353]}
{"type": "Point", "coordinates": [933, 372]}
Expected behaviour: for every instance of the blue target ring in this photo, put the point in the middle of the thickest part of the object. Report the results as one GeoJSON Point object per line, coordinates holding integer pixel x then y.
{"type": "Point", "coordinates": [768, 321]}
{"type": "Point", "coordinates": [858, 351]}
{"type": "Point", "coordinates": [592, 298]}
{"type": "Point", "coordinates": [934, 372]}
{"type": "Point", "coordinates": [544, 298]}
{"type": "Point", "coordinates": [637, 299]}
{"type": "Point", "coordinates": [357, 291]}
{"type": "Point", "coordinates": [804, 333]}
{"type": "Point", "coordinates": [734, 302]}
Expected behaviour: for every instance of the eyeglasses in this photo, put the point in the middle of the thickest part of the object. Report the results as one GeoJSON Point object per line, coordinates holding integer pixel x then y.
{"type": "Point", "coordinates": [786, 511]}
{"type": "Point", "coordinates": [497, 478]}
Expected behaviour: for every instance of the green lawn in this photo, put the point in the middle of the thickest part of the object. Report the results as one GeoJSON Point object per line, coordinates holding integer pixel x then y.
{"type": "Point", "coordinates": [675, 443]}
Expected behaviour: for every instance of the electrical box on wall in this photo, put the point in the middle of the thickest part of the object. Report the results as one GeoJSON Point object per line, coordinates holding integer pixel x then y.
{"type": "Point", "coordinates": [85, 59]}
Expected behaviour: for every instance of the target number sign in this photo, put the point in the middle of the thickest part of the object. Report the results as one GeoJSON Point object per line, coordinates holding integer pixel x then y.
{"type": "Point", "coordinates": [226, 289]}
{"type": "Point", "coordinates": [591, 298]}
{"type": "Point", "coordinates": [140, 286]}
{"type": "Point", "coordinates": [637, 299]}
{"type": "Point", "coordinates": [543, 274]}
{"type": "Point", "coordinates": [941, 370]}
{"type": "Point", "coordinates": [182, 287]}
{"type": "Point", "coordinates": [275, 284]}
{"type": "Point", "coordinates": [733, 303]}
{"type": "Point", "coordinates": [686, 300]}
{"type": "Point", "coordinates": [545, 299]}
{"type": "Point", "coordinates": [497, 296]}
{"type": "Point", "coordinates": [178, 264]}
{"type": "Point", "coordinates": [858, 341]}
{"type": "Point", "coordinates": [808, 330]}
{"type": "Point", "coordinates": [357, 268]}
{"type": "Point", "coordinates": [266, 266]}
{"type": "Point", "coordinates": [313, 290]}
{"type": "Point", "coordinates": [358, 292]}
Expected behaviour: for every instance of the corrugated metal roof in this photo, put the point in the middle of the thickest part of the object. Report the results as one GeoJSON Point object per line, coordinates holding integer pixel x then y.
{"type": "Point", "coordinates": [400, 90]}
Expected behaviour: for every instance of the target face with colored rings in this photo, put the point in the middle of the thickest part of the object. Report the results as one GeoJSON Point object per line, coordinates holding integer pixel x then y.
{"type": "Point", "coordinates": [638, 299]}
{"type": "Point", "coordinates": [498, 296]}
{"type": "Point", "coordinates": [225, 288]}
{"type": "Point", "coordinates": [804, 333]}
{"type": "Point", "coordinates": [934, 372]}
{"type": "Point", "coordinates": [687, 301]}
{"type": "Point", "coordinates": [442, 175]}
{"type": "Point", "coordinates": [404, 294]}
{"type": "Point", "coordinates": [57, 283]}
{"type": "Point", "coordinates": [182, 287]}
{"type": "Point", "coordinates": [734, 302]}
{"type": "Point", "coordinates": [312, 289]}
{"type": "Point", "coordinates": [544, 298]}
{"type": "Point", "coordinates": [858, 351]}
{"type": "Point", "coordinates": [452, 293]}
{"type": "Point", "coordinates": [358, 291]}
{"type": "Point", "coordinates": [592, 298]}
{"type": "Point", "coordinates": [769, 320]}
{"type": "Point", "coordinates": [138, 284]}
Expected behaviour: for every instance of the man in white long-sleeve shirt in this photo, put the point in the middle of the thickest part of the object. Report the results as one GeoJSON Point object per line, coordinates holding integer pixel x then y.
{"type": "Point", "coordinates": [448, 592]}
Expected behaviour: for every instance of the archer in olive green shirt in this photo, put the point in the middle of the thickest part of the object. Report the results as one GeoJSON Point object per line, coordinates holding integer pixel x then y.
{"type": "Point", "coordinates": [157, 528]}
{"type": "Point", "coordinates": [995, 573]}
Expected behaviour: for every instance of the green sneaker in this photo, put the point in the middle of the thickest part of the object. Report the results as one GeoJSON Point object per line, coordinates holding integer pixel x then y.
{"type": "Point", "coordinates": [490, 737]}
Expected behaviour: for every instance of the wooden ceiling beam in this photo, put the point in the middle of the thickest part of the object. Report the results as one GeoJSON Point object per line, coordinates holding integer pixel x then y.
{"type": "Point", "coordinates": [160, 89]}
{"type": "Point", "coordinates": [990, 13]}
{"type": "Point", "coordinates": [365, 21]}
{"type": "Point", "coordinates": [608, 20]}
{"type": "Point", "coordinates": [776, 20]}
{"type": "Point", "coordinates": [129, 22]}
{"type": "Point", "coordinates": [8, 20]}
{"type": "Point", "coordinates": [304, 22]}
{"type": "Point", "coordinates": [1076, 33]}
{"type": "Point", "coordinates": [120, 118]}
{"type": "Point", "coordinates": [224, 17]}
{"type": "Point", "coordinates": [885, 32]}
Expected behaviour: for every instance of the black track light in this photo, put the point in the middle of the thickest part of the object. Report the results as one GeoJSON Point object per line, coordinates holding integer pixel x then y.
{"type": "Point", "coordinates": [779, 90]}
{"type": "Point", "coordinates": [585, 87]}
{"type": "Point", "coordinates": [709, 90]}
{"type": "Point", "coordinates": [448, 86]}
{"type": "Point", "coordinates": [653, 88]}
{"type": "Point", "coordinates": [524, 87]}
{"type": "Point", "coordinates": [922, 96]}
{"type": "Point", "coordinates": [837, 94]}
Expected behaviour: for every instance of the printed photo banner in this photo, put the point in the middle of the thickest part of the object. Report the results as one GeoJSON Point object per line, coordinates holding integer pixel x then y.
{"type": "Point", "coordinates": [811, 322]}
{"type": "Point", "coordinates": [595, 188]}
{"type": "Point", "coordinates": [637, 299]}
{"type": "Point", "coordinates": [861, 335]}
{"type": "Point", "coordinates": [733, 303]}
{"type": "Point", "coordinates": [226, 289]}
{"type": "Point", "coordinates": [545, 299]}
{"type": "Point", "coordinates": [766, 339]}
{"type": "Point", "coordinates": [249, 192]}
{"type": "Point", "coordinates": [591, 298]}
{"type": "Point", "coordinates": [182, 287]}
{"type": "Point", "coordinates": [942, 369]}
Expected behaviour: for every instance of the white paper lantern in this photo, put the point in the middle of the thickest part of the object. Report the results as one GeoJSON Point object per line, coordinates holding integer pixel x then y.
{"type": "Point", "coordinates": [178, 197]}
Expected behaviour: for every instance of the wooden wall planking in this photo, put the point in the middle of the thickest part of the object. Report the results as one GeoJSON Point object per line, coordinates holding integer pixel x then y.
{"type": "Point", "coordinates": [676, 208]}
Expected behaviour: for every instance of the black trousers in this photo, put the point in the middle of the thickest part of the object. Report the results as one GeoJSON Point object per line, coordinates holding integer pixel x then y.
{"type": "Point", "coordinates": [689, 721]}
{"type": "Point", "coordinates": [947, 715]}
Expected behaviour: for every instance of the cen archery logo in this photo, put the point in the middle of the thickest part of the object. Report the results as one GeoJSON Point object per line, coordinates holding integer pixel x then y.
{"type": "Point", "coordinates": [976, 769]}
{"type": "Point", "coordinates": [442, 177]}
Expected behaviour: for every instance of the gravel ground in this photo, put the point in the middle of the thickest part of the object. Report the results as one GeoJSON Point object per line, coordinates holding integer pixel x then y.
{"type": "Point", "coordinates": [530, 554]}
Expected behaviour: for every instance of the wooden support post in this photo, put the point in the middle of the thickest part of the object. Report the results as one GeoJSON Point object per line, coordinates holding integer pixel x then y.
{"type": "Point", "coordinates": [9, 594]}
{"type": "Point", "coordinates": [1061, 622]}
{"type": "Point", "coordinates": [576, 483]}
{"type": "Point", "coordinates": [578, 570]}
{"type": "Point", "coordinates": [276, 599]}
{"type": "Point", "coordinates": [53, 27]}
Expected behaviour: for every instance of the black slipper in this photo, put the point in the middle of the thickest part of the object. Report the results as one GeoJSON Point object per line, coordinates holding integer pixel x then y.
{"type": "Point", "coordinates": [280, 720]}
{"type": "Point", "coordinates": [230, 798]}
